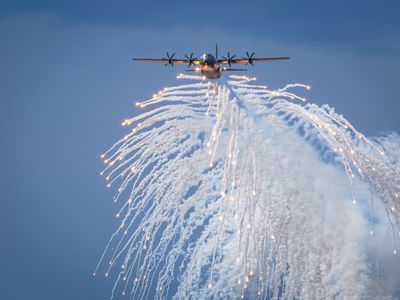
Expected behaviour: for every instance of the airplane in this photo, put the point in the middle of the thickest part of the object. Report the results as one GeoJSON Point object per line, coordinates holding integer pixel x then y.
{"type": "Point", "coordinates": [209, 65]}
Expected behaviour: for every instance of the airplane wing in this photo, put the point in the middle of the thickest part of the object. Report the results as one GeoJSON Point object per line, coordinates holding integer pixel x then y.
{"type": "Point", "coordinates": [167, 61]}
{"type": "Point", "coordinates": [250, 61]}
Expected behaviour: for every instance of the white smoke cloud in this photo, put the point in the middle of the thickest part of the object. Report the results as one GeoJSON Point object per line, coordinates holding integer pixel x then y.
{"type": "Point", "coordinates": [234, 198]}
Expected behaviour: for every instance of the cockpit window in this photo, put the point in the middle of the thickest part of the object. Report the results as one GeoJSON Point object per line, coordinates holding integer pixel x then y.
{"type": "Point", "coordinates": [208, 59]}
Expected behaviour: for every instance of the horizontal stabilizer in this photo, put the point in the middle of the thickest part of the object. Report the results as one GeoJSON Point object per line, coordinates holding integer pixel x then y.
{"type": "Point", "coordinates": [231, 69]}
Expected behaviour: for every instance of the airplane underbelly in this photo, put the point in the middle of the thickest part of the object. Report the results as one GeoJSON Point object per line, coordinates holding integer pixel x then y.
{"type": "Point", "coordinates": [211, 73]}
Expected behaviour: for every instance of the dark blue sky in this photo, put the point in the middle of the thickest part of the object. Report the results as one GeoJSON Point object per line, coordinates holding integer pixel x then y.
{"type": "Point", "coordinates": [66, 84]}
{"type": "Point", "coordinates": [315, 22]}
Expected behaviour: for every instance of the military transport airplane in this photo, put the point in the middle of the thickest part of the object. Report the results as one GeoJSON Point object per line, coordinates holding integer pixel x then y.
{"type": "Point", "coordinates": [209, 65]}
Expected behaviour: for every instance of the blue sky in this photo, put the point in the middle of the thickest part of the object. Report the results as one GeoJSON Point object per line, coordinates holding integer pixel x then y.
{"type": "Point", "coordinates": [66, 83]}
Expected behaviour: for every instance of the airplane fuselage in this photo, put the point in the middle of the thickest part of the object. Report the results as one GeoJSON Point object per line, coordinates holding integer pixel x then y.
{"type": "Point", "coordinates": [209, 66]}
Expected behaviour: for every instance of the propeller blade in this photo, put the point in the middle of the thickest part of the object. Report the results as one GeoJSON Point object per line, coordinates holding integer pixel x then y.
{"type": "Point", "coordinates": [229, 59]}
{"type": "Point", "coordinates": [250, 58]}
{"type": "Point", "coordinates": [169, 57]}
{"type": "Point", "coordinates": [190, 59]}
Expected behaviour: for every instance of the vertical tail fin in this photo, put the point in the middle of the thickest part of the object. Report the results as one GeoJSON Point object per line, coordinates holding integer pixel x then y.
{"type": "Point", "coordinates": [216, 50]}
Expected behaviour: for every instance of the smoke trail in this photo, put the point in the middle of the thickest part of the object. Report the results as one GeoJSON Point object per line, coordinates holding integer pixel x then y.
{"type": "Point", "coordinates": [221, 197]}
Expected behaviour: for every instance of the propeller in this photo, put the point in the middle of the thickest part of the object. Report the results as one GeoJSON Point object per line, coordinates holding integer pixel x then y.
{"type": "Point", "coordinates": [170, 57]}
{"type": "Point", "coordinates": [190, 59]}
{"type": "Point", "coordinates": [229, 59]}
{"type": "Point", "coordinates": [250, 58]}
